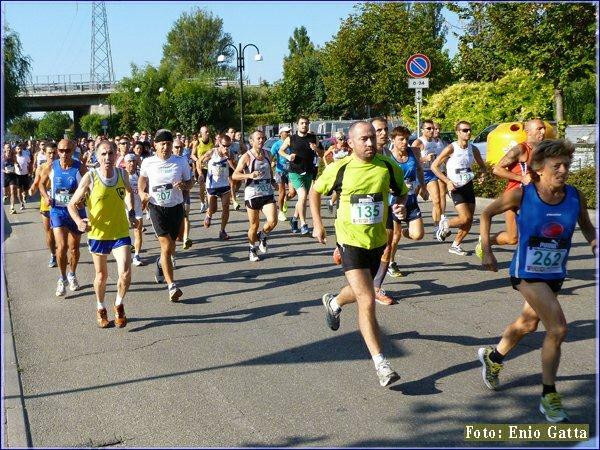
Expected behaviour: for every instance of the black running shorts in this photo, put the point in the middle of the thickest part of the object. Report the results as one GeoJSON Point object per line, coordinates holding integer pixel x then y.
{"type": "Point", "coordinates": [464, 194]}
{"type": "Point", "coordinates": [360, 258]}
{"type": "Point", "coordinates": [555, 285]}
{"type": "Point", "coordinates": [258, 202]}
{"type": "Point", "coordinates": [166, 220]}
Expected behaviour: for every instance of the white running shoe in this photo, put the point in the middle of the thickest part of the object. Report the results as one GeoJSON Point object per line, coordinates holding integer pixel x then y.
{"type": "Point", "coordinates": [73, 283]}
{"type": "Point", "coordinates": [457, 250]}
{"type": "Point", "coordinates": [281, 217]}
{"type": "Point", "coordinates": [253, 255]}
{"type": "Point", "coordinates": [61, 289]}
{"type": "Point", "coordinates": [386, 374]}
{"type": "Point", "coordinates": [262, 242]}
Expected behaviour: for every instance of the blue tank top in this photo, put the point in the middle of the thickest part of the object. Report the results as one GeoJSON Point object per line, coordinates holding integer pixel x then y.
{"type": "Point", "coordinates": [410, 172]}
{"type": "Point", "coordinates": [545, 233]}
{"type": "Point", "coordinates": [64, 183]}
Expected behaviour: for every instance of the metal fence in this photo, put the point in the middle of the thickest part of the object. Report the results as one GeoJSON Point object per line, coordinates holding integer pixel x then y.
{"type": "Point", "coordinates": [64, 83]}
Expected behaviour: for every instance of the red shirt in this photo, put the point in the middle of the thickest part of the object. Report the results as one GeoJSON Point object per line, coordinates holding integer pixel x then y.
{"type": "Point", "coordinates": [517, 167]}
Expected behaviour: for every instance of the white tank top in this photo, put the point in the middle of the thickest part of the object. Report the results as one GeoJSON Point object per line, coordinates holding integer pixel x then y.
{"type": "Point", "coordinates": [261, 186]}
{"type": "Point", "coordinates": [459, 164]}
{"type": "Point", "coordinates": [428, 147]}
{"type": "Point", "coordinates": [218, 171]}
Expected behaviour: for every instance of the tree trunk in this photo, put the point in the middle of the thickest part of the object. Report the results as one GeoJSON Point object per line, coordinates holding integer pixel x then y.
{"type": "Point", "coordinates": [558, 105]}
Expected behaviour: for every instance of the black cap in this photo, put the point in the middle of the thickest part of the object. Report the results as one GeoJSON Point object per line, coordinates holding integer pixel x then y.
{"type": "Point", "coordinates": [163, 135]}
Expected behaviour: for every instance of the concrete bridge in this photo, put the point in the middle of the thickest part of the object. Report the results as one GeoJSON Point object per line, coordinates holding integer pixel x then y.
{"type": "Point", "coordinates": [68, 93]}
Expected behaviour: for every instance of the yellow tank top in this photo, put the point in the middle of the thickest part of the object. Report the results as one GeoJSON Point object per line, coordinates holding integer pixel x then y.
{"type": "Point", "coordinates": [44, 205]}
{"type": "Point", "coordinates": [106, 205]}
{"type": "Point", "coordinates": [202, 148]}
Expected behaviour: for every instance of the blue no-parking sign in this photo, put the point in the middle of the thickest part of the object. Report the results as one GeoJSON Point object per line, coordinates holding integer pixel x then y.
{"type": "Point", "coordinates": [418, 65]}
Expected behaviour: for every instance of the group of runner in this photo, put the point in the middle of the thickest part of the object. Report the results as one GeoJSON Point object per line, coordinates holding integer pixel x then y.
{"type": "Point", "coordinates": [372, 181]}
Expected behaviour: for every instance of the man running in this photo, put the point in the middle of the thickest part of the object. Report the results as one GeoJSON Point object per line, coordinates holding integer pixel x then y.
{"type": "Point", "coordinates": [23, 168]}
{"type": "Point", "coordinates": [549, 210]}
{"type": "Point", "coordinates": [255, 168]}
{"type": "Point", "coordinates": [185, 234]}
{"type": "Point", "coordinates": [304, 150]}
{"type": "Point", "coordinates": [458, 157]}
{"type": "Point", "coordinates": [364, 179]}
{"type": "Point", "coordinates": [203, 145]}
{"type": "Point", "coordinates": [162, 179]}
{"type": "Point", "coordinates": [514, 167]}
{"type": "Point", "coordinates": [131, 166]}
{"type": "Point", "coordinates": [50, 156]}
{"type": "Point", "coordinates": [282, 166]}
{"type": "Point", "coordinates": [63, 177]}
{"type": "Point", "coordinates": [107, 226]}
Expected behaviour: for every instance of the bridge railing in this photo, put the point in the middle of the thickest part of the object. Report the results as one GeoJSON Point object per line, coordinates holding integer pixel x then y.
{"type": "Point", "coordinates": [64, 84]}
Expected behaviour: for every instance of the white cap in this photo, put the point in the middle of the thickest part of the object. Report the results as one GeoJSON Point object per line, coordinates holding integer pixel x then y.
{"type": "Point", "coordinates": [286, 128]}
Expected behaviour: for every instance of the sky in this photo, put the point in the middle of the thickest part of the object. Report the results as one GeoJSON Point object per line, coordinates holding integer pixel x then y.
{"type": "Point", "coordinates": [57, 35]}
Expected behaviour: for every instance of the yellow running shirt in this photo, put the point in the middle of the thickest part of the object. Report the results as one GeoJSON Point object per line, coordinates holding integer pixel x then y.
{"type": "Point", "coordinates": [106, 206]}
{"type": "Point", "coordinates": [202, 148]}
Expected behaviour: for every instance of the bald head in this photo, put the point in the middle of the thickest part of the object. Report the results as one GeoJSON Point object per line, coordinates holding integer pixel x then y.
{"type": "Point", "coordinates": [536, 130]}
{"type": "Point", "coordinates": [66, 143]}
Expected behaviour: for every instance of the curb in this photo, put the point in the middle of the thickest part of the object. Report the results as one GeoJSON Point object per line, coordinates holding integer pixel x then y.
{"type": "Point", "coordinates": [16, 430]}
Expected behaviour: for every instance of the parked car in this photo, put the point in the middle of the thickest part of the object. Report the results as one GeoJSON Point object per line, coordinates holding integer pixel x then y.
{"type": "Point", "coordinates": [480, 140]}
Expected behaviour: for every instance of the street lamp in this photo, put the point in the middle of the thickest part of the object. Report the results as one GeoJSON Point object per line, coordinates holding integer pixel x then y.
{"type": "Point", "coordinates": [239, 51]}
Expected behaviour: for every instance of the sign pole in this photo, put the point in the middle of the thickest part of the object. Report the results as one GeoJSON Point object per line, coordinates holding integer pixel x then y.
{"type": "Point", "coordinates": [418, 94]}
{"type": "Point", "coordinates": [418, 66]}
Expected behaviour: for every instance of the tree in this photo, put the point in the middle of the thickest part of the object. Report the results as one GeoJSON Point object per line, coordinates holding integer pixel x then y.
{"type": "Point", "coordinates": [16, 70]}
{"type": "Point", "coordinates": [195, 42]}
{"type": "Point", "coordinates": [555, 40]}
{"type": "Point", "coordinates": [364, 64]}
{"type": "Point", "coordinates": [24, 126]}
{"type": "Point", "coordinates": [299, 43]}
{"type": "Point", "coordinates": [53, 125]}
{"type": "Point", "coordinates": [92, 123]}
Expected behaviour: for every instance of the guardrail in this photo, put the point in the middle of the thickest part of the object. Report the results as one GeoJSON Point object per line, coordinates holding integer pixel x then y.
{"type": "Point", "coordinates": [41, 88]}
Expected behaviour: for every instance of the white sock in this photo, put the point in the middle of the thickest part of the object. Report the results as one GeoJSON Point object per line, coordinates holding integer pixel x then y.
{"type": "Point", "coordinates": [378, 359]}
{"type": "Point", "coordinates": [454, 244]}
{"type": "Point", "coordinates": [334, 305]}
{"type": "Point", "coordinates": [100, 305]}
{"type": "Point", "coordinates": [119, 300]}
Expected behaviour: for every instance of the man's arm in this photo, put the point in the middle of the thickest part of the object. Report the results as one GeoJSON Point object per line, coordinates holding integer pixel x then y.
{"type": "Point", "coordinates": [511, 157]}
{"type": "Point", "coordinates": [44, 175]}
{"type": "Point", "coordinates": [142, 187]}
{"type": "Point", "coordinates": [437, 162]}
{"type": "Point", "coordinates": [77, 198]}
{"type": "Point", "coordinates": [585, 224]}
{"type": "Point", "coordinates": [283, 148]}
{"type": "Point", "coordinates": [319, 232]}
{"type": "Point", "coordinates": [238, 173]}
{"type": "Point", "coordinates": [129, 201]}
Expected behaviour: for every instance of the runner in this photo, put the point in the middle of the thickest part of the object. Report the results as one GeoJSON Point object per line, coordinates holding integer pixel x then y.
{"type": "Point", "coordinates": [364, 179]}
{"type": "Point", "coordinates": [218, 162]}
{"type": "Point", "coordinates": [514, 167]}
{"type": "Point", "coordinates": [413, 178]}
{"type": "Point", "coordinates": [459, 157]}
{"type": "Point", "coordinates": [131, 166]}
{"type": "Point", "coordinates": [23, 169]}
{"type": "Point", "coordinates": [427, 153]}
{"type": "Point", "coordinates": [439, 146]}
{"type": "Point", "coordinates": [304, 150]}
{"type": "Point", "coordinates": [162, 179]}
{"type": "Point", "coordinates": [338, 150]}
{"type": "Point", "coordinates": [255, 168]}
{"type": "Point", "coordinates": [236, 150]}
{"type": "Point", "coordinates": [50, 156]}
{"type": "Point", "coordinates": [108, 228]}
{"type": "Point", "coordinates": [185, 233]}
{"type": "Point", "coordinates": [10, 176]}
{"type": "Point", "coordinates": [203, 145]}
{"type": "Point", "coordinates": [63, 177]}
{"type": "Point", "coordinates": [282, 166]}
{"type": "Point", "coordinates": [549, 210]}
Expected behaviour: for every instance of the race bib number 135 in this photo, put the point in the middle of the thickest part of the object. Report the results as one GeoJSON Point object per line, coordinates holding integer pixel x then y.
{"type": "Point", "coordinates": [366, 209]}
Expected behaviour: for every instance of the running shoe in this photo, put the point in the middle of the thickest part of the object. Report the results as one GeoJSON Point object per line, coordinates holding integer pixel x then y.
{"type": "Point", "coordinates": [443, 231]}
{"type": "Point", "coordinates": [120, 318]}
{"type": "Point", "coordinates": [281, 217]}
{"type": "Point", "coordinates": [382, 298]}
{"type": "Point", "coordinates": [203, 207]}
{"type": "Point", "coordinates": [394, 271]}
{"type": "Point", "coordinates": [136, 261]}
{"type": "Point", "coordinates": [253, 254]}
{"type": "Point", "coordinates": [490, 369]}
{"type": "Point", "coordinates": [223, 235]}
{"type": "Point", "coordinates": [187, 244]}
{"type": "Point", "coordinates": [236, 206]}
{"type": "Point", "coordinates": [22, 208]}
{"type": "Point", "coordinates": [73, 283]}
{"type": "Point", "coordinates": [12, 211]}
{"type": "Point", "coordinates": [174, 292]}
{"type": "Point", "coordinates": [330, 206]}
{"type": "Point", "coordinates": [304, 230]}
{"type": "Point", "coordinates": [285, 207]}
{"type": "Point", "coordinates": [479, 249]}
{"type": "Point", "coordinates": [263, 246]}
{"type": "Point", "coordinates": [551, 408]}
{"type": "Point", "coordinates": [158, 273]}
{"type": "Point", "coordinates": [457, 250]}
{"type": "Point", "coordinates": [386, 374]}
{"type": "Point", "coordinates": [207, 221]}
{"type": "Point", "coordinates": [331, 317]}
{"type": "Point", "coordinates": [61, 289]}
{"type": "Point", "coordinates": [294, 225]}
{"type": "Point", "coordinates": [102, 318]}
{"type": "Point", "coordinates": [52, 262]}
{"type": "Point", "coordinates": [337, 257]}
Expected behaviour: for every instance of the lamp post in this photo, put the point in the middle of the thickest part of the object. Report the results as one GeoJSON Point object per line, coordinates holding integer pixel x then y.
{"type": "Point", "coordinates": [239, 51]}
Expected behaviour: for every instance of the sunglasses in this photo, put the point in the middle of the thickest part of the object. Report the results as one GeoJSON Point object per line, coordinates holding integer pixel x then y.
{"type": "Point", "coordinates": [465, 130]}
{"type": "Point", "coordinates": [226, 146]}
{"type": "Point", "coordinates": [65, 150]}
{"type": "Point", "coordinates": [122, 143]}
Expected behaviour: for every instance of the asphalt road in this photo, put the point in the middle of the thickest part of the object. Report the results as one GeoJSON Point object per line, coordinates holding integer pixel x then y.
{"type": "Point", "coordinates": [245, 359]}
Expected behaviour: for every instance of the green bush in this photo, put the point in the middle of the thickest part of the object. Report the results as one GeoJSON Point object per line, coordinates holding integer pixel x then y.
{"type": "Point", "coordinates": [585, 180]}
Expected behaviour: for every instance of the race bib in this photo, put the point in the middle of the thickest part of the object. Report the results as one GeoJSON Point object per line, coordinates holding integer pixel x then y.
{"type": "Point", "coordinates": [263, 187]}
{"type": "Point", "coordinates": [162, 194]}
{"type": "Point", "coordinates": [366, 209]}
{"type": "Point", "coordinates": [462, 177]}
{"type": "Point", "coordinates": [545, 255]}
{"type": "Point", "coordinates": [62, 197]}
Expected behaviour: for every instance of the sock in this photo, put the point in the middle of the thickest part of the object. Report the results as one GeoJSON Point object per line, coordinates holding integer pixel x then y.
{"type": "Point", "coordinates": [119, 300]}
{"type": "Point", "coordinates": [496, 356]}
{"type": "Point", "coordinates": [252, 245]}
{"type": "Point", "coordinates": [454, 244]}
{"type": "Point", "coordinates": [136, 255]}
{"type": "Point", "coordinates": [100, 305]}
{"type": "Point", "coordinates": [60, 277]}
{"type": "Point", "coordinates": [548, 389]}
{"type": "Point", "coordinates": [380, 275]}
{"type": "Point", "coordinates": [378, 359]}
{"type": "Point", "coordinates": [334, 305]}
{"type": "Point", "coordinates": [172, 286]}
{"type": "Point", "coordinates": [70, 275]}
